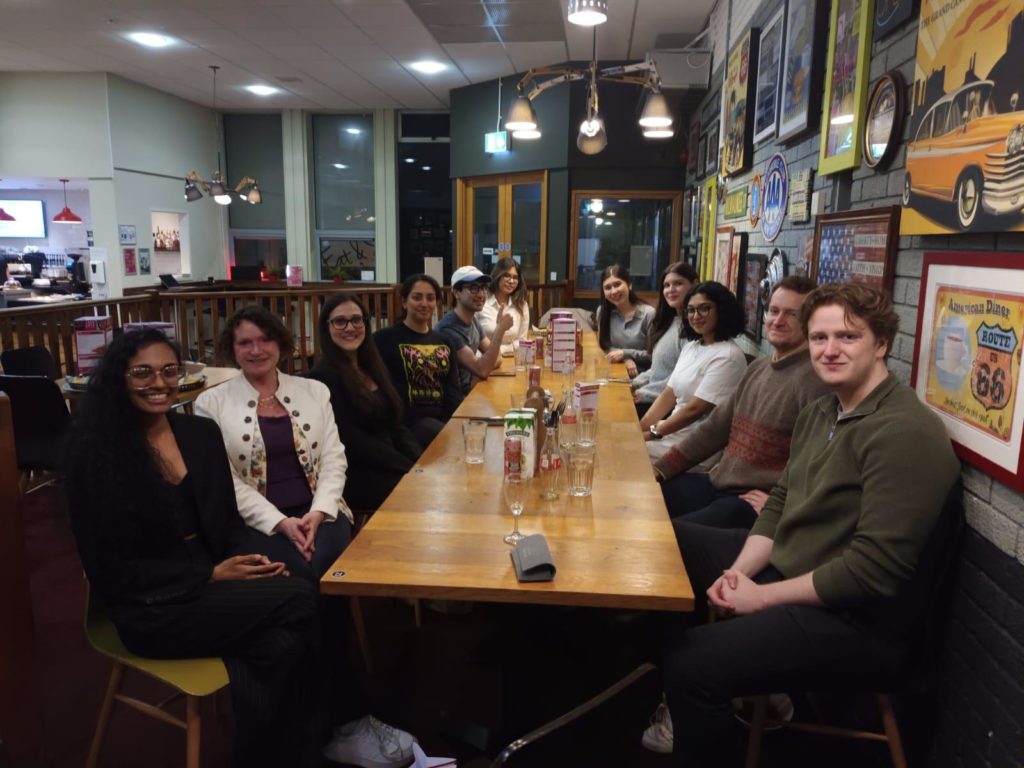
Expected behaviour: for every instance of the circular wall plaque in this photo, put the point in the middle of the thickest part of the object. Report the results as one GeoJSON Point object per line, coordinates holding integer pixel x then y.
{"type": "Point", "coordinates": [754, 210]}
{"type": "Point", "coordinates": [884, 121]}
{"type": "Point", "coordinates": [775, 197]}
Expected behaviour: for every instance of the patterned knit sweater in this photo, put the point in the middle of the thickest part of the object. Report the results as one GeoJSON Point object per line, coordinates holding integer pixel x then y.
{"type": "Point", "coordinates": [754, 426]}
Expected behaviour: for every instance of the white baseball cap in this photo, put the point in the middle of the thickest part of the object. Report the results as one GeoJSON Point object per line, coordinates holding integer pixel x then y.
{"type": "Point", "coordinates": [469, 274]}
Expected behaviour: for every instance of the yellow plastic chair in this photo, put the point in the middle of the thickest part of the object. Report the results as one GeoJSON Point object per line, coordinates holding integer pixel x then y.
{"type": "Point", "coordinates": [193, 679]}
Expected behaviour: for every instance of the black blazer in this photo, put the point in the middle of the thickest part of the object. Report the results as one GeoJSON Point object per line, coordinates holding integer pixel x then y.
{"type": "Point", "coordinates": [145, 560]}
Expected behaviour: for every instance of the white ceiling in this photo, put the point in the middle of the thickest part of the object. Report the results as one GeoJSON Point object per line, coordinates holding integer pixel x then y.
{"type": "Point", "coordinates": [327, 54]}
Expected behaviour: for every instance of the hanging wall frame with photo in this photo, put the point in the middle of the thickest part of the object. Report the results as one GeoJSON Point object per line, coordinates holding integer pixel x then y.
{"type": "Point", "coordinates": [769, 68]}
{"type": "Point", "coordinates": [752, 271]}
{"type": "Point", "coordinates": [738, 103]}
{"type": "Point", "coordinates": [802, 67]}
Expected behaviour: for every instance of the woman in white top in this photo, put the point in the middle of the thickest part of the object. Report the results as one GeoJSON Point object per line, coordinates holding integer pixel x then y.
{"type": "Point", "coordinates": [507, 289]}
{"type": "Point", "coordinates": [707, 372]}
{"type": "Point", "coordinates": [666, 337]}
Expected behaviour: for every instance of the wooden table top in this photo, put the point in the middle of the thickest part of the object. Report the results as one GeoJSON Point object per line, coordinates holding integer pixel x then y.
{"type": "Point", "coordinates": [214, 376]}
{"type": "Point", "coordinates": [439, 534]}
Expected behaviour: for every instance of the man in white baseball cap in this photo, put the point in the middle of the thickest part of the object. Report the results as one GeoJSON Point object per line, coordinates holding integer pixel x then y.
{"type": "Point", "coordinates": [476, 353]}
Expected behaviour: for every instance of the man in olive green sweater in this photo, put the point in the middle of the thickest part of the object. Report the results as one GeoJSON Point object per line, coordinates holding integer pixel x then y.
{"type": "Point", "coordinates": [819, 587]}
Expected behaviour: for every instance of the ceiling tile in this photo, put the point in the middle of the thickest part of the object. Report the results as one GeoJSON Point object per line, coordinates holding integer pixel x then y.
{"type": "Point", "coordinates": [527, 55]}
{"type": "Point", "coordinates": [331, 37]}
{"type": "Point", "coordinates": [483, 34]}
{"type": "Point", "coordinates": [321, 15]}
{"type": "Point", "coordinates": [525, 13]}
{"type": "Point", "coordinates": [380, 15]}
{"type": "Point", "coordinates": [529, 33]}
{"type": "Point", "coordinates": [253, 18]}
{"type": "Point", "coordinates": [452, 14]}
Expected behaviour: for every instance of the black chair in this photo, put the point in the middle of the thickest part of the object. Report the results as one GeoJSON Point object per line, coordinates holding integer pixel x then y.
{"type": "Point", "coordinates": [29, 361]}
{"type": "Point", "coordinates": [930, 592]}
{"type": "Point", "coordinates": [41, 419]}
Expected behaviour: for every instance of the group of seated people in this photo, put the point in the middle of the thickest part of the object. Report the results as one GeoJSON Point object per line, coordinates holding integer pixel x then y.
{"type": "Point", "coordinates": [786, 481]}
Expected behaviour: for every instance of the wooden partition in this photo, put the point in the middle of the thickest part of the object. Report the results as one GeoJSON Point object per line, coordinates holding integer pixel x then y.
{"type": "Point", "coordinates": [199, 315]}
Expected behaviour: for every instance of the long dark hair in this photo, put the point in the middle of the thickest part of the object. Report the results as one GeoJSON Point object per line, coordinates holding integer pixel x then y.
{"type": "Point", "coordinates": [334, 358]}
{"type": "Point", "coordinates": [664, 314]}
{"type": "Point", "coordinates": [501, 268]}
{"type": "Point", "coordinates": [730, 322]}
{"type": "Point", "coordinates": [605, 307]}
{"type": "Point", "coordinates": [108, 459]}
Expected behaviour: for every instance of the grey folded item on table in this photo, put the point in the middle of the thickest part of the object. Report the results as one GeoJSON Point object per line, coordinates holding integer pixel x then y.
{"type": "Point", "coordinates": [532, 559]}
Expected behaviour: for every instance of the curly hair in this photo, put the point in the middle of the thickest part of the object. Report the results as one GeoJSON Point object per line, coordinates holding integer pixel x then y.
{"type": "Point", "coordinates": [501, 268]}
{"type": "Point", "coordinates": [368, 359]}
{"type": "Point", "coordinates": [870, 305]}
{"type": "Point", "coordinates": [262, 318]}
{"type": "Point", "coordinates": [664, 314]}
{"type": "Point", "coordinates": [605, 307]}
{"type": "Point", "coordinates": [730, 314]}
{"type": "Point", "coordinates": [107, 457]}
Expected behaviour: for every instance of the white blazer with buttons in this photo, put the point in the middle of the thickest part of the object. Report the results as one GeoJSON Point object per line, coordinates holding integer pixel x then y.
{"type": "Point", "coordinates": [319, 449]}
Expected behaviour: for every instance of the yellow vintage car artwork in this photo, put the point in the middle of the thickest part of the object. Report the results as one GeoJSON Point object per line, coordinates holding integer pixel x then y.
{"type": "Point", "coordinates": [966, 153]}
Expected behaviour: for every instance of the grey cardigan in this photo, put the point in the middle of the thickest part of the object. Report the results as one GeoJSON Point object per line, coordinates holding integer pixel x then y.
{"type": "Point", "coordinates": [651, 383]}
{"type": "Point", "coordinates": [631, 336]}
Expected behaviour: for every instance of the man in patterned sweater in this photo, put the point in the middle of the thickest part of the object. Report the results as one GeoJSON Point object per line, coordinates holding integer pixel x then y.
{"type": "Point", "coordinates": [754, 427]}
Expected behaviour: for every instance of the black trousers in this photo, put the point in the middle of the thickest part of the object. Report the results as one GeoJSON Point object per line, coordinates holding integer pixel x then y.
{"type": "Point", "coordinates": [786, 648]}
{"type": "Point", "coordinates": [693, 498]}
{"type": "Point", "coordinates": [266, 631]}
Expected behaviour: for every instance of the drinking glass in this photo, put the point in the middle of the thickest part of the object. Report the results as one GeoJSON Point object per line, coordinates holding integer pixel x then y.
{"type": "Point", "coordinates": [520, 353]}
{"type": "Point", "coordinates": [474, 440]}
{"type": "Point", "coordinates": [581, 468]}
{"type": "Point", "coordinates": [515, 498]}
{"type": "Point", "coordinates": [586, 427]}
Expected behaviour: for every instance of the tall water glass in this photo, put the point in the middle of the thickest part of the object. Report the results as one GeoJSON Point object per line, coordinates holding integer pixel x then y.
{"type": "Point", "coordinates": [520, 353]}
{"type": "Point", "coordinates": [581, 468]}
{"type": "Point", "coordinates": [586, 427]}
{"type": "Point", "coordinates": [474, 440]}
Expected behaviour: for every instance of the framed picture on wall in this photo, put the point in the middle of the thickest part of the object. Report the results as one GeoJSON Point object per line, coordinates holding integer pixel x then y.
{"type": "Point", "coordinates": [702, 149]}
{"type": "Point", "coordinates": [723, 255]}
{"type": "Point", "coordinates": [738, 98]}
{"type": "Point", "coordinates": [737, 252]}
{"type": "Point", "coordinates": [856, 247]}
{"type": "Point", "coordinates": [846, 85]}
{"type": "Point", "coordinates": [769, 67]}
{"type": "Point", "coordinates": [131, 266]}
{"type": "Point", "coordinates": [711, 163]}
{"type": "Point", "coordinates": [890, 15]}
{"type": "Point", "coordinates": [145, 262]}
{"type": "Point", "coordinates": [751, 274]}
{"type": "Point", "coordinates": [693, 145]}
{"type": "Point", "coordinates": [970, 325]}
{"type": "Point", "coordinates": [883, 125]}
{"type": "Point", "coordinates": [802, 51]}
{"type": "Point", "coordinates": [687, 213]}
{"type": "Point", "coordinates": [708, 208]}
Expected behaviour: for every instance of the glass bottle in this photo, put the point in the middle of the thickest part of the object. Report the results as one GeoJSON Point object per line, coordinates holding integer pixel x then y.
{"type": "Point", "coordinates": [550, 461]}
{"type": "Point", "coordinates": [567, 423]}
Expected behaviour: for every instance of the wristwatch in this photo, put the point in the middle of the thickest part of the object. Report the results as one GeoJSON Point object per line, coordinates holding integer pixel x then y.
{"type": "Point", "coordinates": [654, 431]}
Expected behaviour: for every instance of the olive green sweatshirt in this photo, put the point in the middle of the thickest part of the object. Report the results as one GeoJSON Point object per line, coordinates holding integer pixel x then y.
{"type": "Point", "coordinates": [860, 494]}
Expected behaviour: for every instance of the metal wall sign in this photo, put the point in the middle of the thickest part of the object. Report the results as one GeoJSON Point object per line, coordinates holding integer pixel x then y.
{"type": "Point", "coordinates": [736, 204]}
{"type": "Point", "coordinates": [800, 197]}
{"type": "Point", "coordinates": [754, 210]}
{"type": "Point", "coordinates": [775, 191]}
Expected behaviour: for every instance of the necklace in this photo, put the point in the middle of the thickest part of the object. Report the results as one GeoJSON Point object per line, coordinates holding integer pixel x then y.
{"type": "Point", "coordinates": [268, 399]}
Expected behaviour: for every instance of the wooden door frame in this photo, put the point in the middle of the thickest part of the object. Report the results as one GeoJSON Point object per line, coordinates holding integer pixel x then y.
{"type": "Point", "coordinates": [648, 194]}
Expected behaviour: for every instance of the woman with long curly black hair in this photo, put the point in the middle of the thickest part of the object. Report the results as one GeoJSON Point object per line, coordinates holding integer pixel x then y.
{"type": "Point", "coordinates": [367, 409]}
{"type": "Point", "coordinates": [153, 510]}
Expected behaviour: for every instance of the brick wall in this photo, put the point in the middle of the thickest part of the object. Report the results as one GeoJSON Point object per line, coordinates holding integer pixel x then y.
{"type": "Point", "coordinates": [981, 691]}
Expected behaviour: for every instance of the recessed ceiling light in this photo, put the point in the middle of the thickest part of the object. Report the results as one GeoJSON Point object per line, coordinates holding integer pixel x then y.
{"type": "Point", "coordinates": [340, 166]}
{"type": "Point", "coordinates": [426, 167]}
{"type": "Point", "coordinates": [410, 159]}
{"type": "Point", "coordinates": [262, 90]}
{"type": "Point", "coordinates": [428, 67]}
{"type": "Point", "coordinates": [151, 39]}
{"type": "Point", "coordinates": [353, 131]}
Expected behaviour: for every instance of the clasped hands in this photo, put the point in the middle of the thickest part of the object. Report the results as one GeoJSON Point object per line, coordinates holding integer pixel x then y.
{"type": "Point", "coordinates": [301, 531]}
{"type": "Point", "coordinates": [736, 593]}
{"type": "Point", "coordinates": [241, 567]}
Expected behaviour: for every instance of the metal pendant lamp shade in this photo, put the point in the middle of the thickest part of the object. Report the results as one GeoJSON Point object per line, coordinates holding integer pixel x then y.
{"type": "Point", "coordinates": [656, 113]}
{"type": "Point", "coordinates": [192, 192]}
{"type": "Point", "coordinates": [5, 216]}
{"type": "Point", "coordinates": [588, 13]}
{"type": "Point", "coordinates": [592, 138]}
{"type": "Point", "coordinates": [67, 216]}
{"type": "Point", "coordinates": [521, 117]}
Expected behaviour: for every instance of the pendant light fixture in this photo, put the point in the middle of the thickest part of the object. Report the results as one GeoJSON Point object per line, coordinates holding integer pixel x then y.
{"type": "Point", "coordinates": [588, 13]}
{"type": "Point", "coordinates": [248, 189]}
{"type": "Point", "coordinates": [592, 138]}
{"type": "Point", "coordinates": [67, 216]}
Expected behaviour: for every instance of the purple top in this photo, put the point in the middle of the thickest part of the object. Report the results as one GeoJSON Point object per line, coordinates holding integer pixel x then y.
{"type": "Point", "coordinates": [286, 484]}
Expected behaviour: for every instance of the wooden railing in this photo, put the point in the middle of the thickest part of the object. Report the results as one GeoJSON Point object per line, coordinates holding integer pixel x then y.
{"type": "Point", "coordinates": [199, 315]}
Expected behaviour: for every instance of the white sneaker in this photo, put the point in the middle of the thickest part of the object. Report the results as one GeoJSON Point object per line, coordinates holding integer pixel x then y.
{"type": "Point", "coordinates": [658, 735]}
{"type": "Point", "coordinates": [369, 743]}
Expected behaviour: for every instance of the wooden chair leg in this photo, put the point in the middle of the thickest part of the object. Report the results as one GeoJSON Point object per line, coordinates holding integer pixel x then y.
{"type": "Point", "coordinates": [193, 732]}
{"type": "Point", "coordinates": [892, 731]}
{"type": "Point", "coordinates": [106, 710]}
{"type": "Point", "coordinates": [417, 613]}
{"type": "Point", "coordinates": [756, 731]}
{"type": "Point", "coordinates": [360, 627]}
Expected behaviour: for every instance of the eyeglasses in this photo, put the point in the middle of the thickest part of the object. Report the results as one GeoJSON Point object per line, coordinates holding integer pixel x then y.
{"type": "Point", "coordinates": [474, 288]}
{"type": "Point", "coordinates": [144, 374]}
{"type": "Point", "coordinates": [340, 323]}
{"type": "Point", "coordinates": [510, 276]}
{"type": "Point", "coordinates": [702, 310]}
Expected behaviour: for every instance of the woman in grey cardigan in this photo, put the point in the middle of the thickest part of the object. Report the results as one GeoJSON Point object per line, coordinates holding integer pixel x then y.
{"type": "Point", "coordinates": [623, 321]}
{"type": "Point", "coordinates": [665, 338]}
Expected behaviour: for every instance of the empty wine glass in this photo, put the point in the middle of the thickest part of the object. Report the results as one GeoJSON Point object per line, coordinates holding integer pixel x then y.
{"type": "Point", "coordinates": [515, 497]}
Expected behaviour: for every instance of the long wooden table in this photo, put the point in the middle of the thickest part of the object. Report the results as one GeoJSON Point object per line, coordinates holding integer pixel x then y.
{"type": "Point", "coordinates": [439, 534]}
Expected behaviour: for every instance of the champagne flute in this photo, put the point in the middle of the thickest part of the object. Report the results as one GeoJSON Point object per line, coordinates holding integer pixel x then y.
{"type": "Point", "coordinates": [515, 497]}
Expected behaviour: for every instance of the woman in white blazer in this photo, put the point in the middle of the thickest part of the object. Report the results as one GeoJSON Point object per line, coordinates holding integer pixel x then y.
{"type": "Point", "coordinates": [287, 461]}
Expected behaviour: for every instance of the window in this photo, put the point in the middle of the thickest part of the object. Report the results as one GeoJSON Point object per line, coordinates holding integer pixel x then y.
{"type": "Point", "coordinates": [343, 196]}
{"type": "Point", "coordinates": [639, 230]}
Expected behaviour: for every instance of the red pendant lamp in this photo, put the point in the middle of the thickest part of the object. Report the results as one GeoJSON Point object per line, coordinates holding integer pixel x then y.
{"type": "Point", "coordinates": [67, 216]}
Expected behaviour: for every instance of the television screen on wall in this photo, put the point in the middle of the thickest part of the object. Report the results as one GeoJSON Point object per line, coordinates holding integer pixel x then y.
{"type": "Point", "coordinates": [29, 219]}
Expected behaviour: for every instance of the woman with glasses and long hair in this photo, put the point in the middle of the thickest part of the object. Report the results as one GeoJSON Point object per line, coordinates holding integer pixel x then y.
{"type": "Point", "coordinates": [507, 290]}
{"type": "Point", "coordinates": [289, 470]}
{"type": "Point", "coordinates": [623, 321]}
{"type": "Point", "coordinates": [666, 337]}
{"type": "Point", "coordinates": [152, 506]}
{"type": "Point", "coordinates": [707, 371]}
{"type": "Point", "coordinates": [367, 409]}
{"type": "Point", "coordinates": [420, 361]}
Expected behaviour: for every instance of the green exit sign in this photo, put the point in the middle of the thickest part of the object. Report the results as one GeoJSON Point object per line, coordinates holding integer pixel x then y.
{"type": "Point", "coordinates": [496, 141]}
